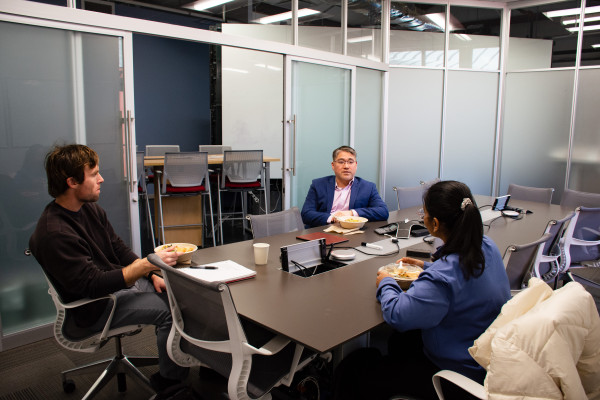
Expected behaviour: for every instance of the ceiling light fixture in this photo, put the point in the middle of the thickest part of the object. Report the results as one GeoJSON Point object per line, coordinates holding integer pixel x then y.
{"type": "Point", "coordinates": [596, 46]}
{"type": "Point", "coordinates": [202, 5]}
{"type": "Point", "coordinates": [585, 28]}
{"type": "Point", "coordinates": [576, 21]}
{"type": "Point", "coordinates": [360, 39]}
{"type": "Point", "coordinates": [286, 15]}
{"type": "Point", "coordinates": [571, 11]}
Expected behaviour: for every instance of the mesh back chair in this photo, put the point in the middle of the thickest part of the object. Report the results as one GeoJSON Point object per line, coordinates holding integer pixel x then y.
{"type": "Point", "coordinates": [143, 192]}
{"type": "Point", "coordinates": [528, 193]}
{"type": "Point", "coordinates": [74, 338]}
{"type": "Point", "coordinates": [186, 174]}
{"type": "Point", "coordinates": [213, 148]}
{"type": "Point", "coordinates": [275, 223]}
{"type": "Point", "coordinates": [553, 252]}
{"type": "Point", "coordinates": [161, 149]}
{"type": "Point", "coordinates": [581, 241]}
{"type": "Point", "coordinates": [521, 260]}
{"type": "Point", "coordinates": [253, 359]}
{"type": "Point", "coordinates": [573, 198]}
{"type": "Point", "coordinates": [408, 197]}
{"type": "Point", "coordinates": [242, 172]}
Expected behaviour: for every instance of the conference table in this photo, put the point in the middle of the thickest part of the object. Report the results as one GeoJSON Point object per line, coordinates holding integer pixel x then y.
{"type": "Point", "coordinates": [180, 211]}
{"type": "Point", "coordinates": [329, 309]}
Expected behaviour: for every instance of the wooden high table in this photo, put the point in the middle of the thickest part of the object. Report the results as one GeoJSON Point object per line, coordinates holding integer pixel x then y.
{"type": "Point", "coordinates": [331, 308]}
{"type": "Point", "coordinates": [188, 209]}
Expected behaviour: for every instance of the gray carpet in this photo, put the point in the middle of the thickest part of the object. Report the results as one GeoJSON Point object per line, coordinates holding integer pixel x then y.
{"type": "Point", "coordinates": [32, 372]}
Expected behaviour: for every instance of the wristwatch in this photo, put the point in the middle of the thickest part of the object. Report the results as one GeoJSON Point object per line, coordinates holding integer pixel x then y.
{"type": "Point", "coordinates": [153, 273]}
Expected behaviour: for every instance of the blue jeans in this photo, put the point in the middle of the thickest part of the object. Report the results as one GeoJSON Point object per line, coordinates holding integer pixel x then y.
{"type": "Point", "coordinates": [141, 304]}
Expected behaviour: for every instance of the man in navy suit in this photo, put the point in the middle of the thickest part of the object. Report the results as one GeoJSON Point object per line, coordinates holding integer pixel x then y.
{"type": "Point", "coordinates": [342, 194]}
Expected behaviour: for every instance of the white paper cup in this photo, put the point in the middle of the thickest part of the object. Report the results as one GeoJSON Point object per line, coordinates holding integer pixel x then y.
{"type": "Point", "coordinates": [261, 253]}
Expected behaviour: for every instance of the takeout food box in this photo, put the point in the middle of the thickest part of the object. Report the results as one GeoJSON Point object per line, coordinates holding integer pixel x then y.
{"type": "Point", "coordinates": [404, 274]}
{"type": "Point", "coordinates": [187, 249]}
{"type": "Point", "coordinates": [351, 222]}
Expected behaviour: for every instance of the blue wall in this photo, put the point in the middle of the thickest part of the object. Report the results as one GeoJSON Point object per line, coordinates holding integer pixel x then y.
{"type": "Point", "coordinates": [172, 92]}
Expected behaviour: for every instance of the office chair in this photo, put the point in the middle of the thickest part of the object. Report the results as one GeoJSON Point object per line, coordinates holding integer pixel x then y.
{"type": "Point", "coordinates": [74, 338]}
{"type": "Point", "coordinates": [567, 359]}
{"type": "Point", "coordinates": [242, 172]}
{"type": "Point", "coordinates": [553, 253]}
{"type": "Point", "coordinates": [408, 197]}
{"type": "Point", "coordinates": [581, 241]}
{"type": "Point", "coordinates": [143, 192]}
{"type": "Point", "coordinates": [253, 359]}
{"type": "Point", "coordinates": [185, 174]}
{"type": "Point", "coordinates": [161, 149]}
{"type": "Point", "coordinates": [522, 260]}
{"type": "Point", "coordinates": [573, 198]}
{"type": "Point", "coordinates": [528, 193]}
{"type": "Point", "coordinates": [275, 223]}
{"type": "Point", "coordinates": [213, 148]}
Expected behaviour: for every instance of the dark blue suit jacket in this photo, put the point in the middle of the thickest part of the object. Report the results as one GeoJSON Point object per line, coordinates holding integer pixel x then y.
{"type": "Point", "coordinates": [364, 199]}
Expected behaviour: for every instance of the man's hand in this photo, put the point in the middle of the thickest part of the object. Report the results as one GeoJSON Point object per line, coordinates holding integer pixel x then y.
{"type": "Point", "coordinates": [169, 255]}
{"type": "Point", "coordinates": [348, 213]}
{"type": "Point", "coordinates": [159, 283]}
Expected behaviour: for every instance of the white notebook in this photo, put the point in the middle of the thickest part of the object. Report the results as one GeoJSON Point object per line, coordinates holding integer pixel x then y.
{"type": "Point", "coordinates": [227, 271]}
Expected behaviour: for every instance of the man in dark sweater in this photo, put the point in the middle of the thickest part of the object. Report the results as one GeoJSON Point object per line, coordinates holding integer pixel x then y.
{"type": "Point", "coordinates": [82, 255]}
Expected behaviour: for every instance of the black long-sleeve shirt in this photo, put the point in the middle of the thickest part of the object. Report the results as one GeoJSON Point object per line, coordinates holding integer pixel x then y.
{"type": "Point", "coordinates": [82, 255]}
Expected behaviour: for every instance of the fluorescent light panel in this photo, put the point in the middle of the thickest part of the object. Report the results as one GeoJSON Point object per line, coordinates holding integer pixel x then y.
{"type": "Point", "coordinates": [286, 15]}
{"type": "Point", "coordinates": [360, 39]}
{"type": "Point", "coordinates": [585, 28]}
{"type": "Point", "coordinates": [201, 5]}
{"type": "Point", "coordinates": [571, 11]}
{"type": "Point", "coordinates": [576, 21]}
{"type": "Point", "coordinates": [596, 46]}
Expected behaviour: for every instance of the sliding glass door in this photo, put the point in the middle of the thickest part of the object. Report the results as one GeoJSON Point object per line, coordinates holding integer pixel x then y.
{"type": "Point", "coordinates": [57, 86]}
{"type": "Point", "coordinates": [319, 120]}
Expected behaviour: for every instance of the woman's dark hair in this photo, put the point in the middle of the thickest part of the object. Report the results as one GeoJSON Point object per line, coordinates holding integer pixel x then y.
{"type": "Point", "coordinates": [452, 203]}
{"type": "Point", "coordinates": [68, 161]}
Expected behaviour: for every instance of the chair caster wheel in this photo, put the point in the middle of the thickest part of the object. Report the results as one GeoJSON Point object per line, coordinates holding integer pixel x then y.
{"type": "Point", "coordinates": [68, 386]}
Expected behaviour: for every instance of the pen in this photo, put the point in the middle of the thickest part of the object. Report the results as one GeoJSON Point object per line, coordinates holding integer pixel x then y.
{"type": "Point", "coordinates": [203, 267]}
{"type": "Point", "coordinates": [373, 246]}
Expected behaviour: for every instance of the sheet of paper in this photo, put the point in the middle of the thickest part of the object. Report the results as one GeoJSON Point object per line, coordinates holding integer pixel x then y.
{"type": "Point", "coordinates": [227, 271]}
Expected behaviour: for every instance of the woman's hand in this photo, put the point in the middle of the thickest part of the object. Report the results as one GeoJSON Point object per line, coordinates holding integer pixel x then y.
{"type": "Point", "coordinates": [412, 261]}
{"type": "Point", "coordinates": [380, 275]}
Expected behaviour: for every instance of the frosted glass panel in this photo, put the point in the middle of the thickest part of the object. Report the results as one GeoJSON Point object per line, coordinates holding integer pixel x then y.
{"type": "Point", "coordinates": [470, 129]}
{"type": "Point", "coordinates": [321, 104]}
{"type": "Point", "coordinates": [414, 126]}
{"type": "Point", "coordinates": [39, 71]}
{"type": "Point", "coordinates": [417, 48]}
{"type": "Point", "coordinates": [536, 129]}
{"type": "Point", "coordinates": [585, 156]}
{"type": "Point", "coordinates": [367, 126]}
{"type": "Point", "coordinates": [248, 123]}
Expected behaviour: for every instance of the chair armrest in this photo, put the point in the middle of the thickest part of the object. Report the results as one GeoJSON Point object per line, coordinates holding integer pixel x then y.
{"type": "Point", "coordinates": [459, 380]}
{"type": "Point", "coordinates": [273, 346]}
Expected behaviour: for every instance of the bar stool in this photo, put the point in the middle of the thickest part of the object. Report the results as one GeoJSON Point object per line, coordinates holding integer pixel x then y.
{"type": "Point", "coordinates": [242, 172]}
{"type": "Point", "coordinates": [143, 191]}
{"type": "Point", "coordinates": [185, 174]}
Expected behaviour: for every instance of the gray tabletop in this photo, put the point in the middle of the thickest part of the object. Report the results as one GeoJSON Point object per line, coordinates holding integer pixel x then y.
{"type": "Point", "coordinates": [331, 308]}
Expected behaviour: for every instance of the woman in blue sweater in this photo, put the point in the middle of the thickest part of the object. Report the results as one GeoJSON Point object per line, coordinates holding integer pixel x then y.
{"type": "Point", "coordinates": [453, 301]}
